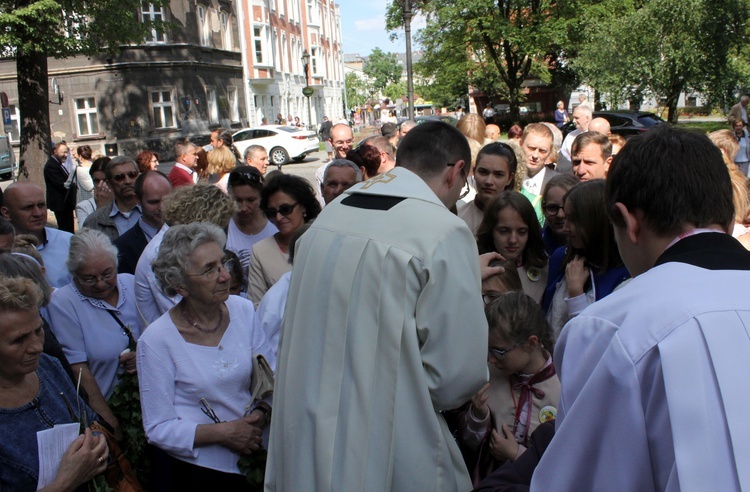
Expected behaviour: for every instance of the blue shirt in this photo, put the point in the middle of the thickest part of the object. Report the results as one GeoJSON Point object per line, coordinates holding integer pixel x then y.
{"type": "Point", "coordinates": [88, 333]}
{"type": "Point", "coordinates": [54, 251]}
{"type": "Point", "coordinates": [124, 221]}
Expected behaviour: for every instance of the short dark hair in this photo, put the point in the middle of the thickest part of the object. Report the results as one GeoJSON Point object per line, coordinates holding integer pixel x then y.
{"type": "Point", "coordinates": [429, 147]}
{"type": "Point", "coordinates": [677, 178]}
{"type": "Point", "coordinates": [388, 130]}
{"type": "Point", "coordinates": [505, 151]}
{"type": "Point", "coordinates": [587, 138]}
{"type": "Point", "coordinates": [99, 165]}
{"type": "Point", "coordinates": [6, 227]}
{"type": "Point", "coordinates": [84, 151]}
{"type": "Point", "coordinates": [142, 179]}
{"type": "Point", "coordinates": [296, 187]}
{"type": "Point", "coordinates": [587, 207]}
{"type": "Point", "coordinates": [533, 253]}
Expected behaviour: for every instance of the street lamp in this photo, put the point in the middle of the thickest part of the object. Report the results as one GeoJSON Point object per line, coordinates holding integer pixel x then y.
{"type": "Point", "coordinates": [307, 91]}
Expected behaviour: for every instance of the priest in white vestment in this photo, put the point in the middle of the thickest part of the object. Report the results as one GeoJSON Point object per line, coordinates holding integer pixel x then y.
{"type": "Point", "coordinates": [654, 377]}
{"type": "Point", "coordinates": [384, 328]}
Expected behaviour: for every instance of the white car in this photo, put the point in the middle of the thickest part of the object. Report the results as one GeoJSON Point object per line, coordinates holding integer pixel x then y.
{"type": "Point", "coordinates": [280, 141]}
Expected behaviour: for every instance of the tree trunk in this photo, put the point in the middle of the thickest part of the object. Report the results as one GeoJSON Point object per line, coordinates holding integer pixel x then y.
{"type": "Point", "coordinates": [672, 113]}
{"type": "Point", "coordinates": [33, 102]}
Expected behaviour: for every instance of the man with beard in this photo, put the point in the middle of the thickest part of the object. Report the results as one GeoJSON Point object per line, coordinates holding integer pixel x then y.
{"type": "Point", "coordinates": [123, 213]}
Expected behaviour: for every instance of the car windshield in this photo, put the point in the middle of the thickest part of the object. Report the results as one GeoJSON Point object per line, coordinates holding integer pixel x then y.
{"type": "Point", "coordinates": [288, 129]}
{"type": "Point", "coordinates": [649, 119]}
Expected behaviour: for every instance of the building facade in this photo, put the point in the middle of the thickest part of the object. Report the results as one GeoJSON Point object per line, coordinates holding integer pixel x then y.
{"type": "Point", "coordinates": [277, 33]}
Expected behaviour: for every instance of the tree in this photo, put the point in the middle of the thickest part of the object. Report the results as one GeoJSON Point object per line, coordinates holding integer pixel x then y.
{"type": "Point", "coordinates": [501, 43]}
{"type": "Point", "coordinates": [395, 90]}
{"type": "Point", "coordinates": [356, 90]}
{"type": "Point", "coordinates": [681, 45]}
{"type": "Point", "coordinates": [34, 30]}
{"type": "Point", "coordinates": [383, 68]}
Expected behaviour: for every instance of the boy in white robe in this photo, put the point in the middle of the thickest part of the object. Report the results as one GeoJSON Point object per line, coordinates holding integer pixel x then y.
{"type": "Point", "coordinates": [654, 377]}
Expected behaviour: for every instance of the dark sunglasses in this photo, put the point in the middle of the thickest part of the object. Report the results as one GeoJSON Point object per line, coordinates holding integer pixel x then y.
{"type": "Point", "coordinates": [119, 178]}
{"type": "Point", "coordinates": [284, 210]}
{"type": "Point", "coordinates": [244, 178]}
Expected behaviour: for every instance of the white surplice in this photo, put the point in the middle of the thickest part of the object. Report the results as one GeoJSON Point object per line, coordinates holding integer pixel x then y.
{"type": "Point", "coordinates": [384, 328]}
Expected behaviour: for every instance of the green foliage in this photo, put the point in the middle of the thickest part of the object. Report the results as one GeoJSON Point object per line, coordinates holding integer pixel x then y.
{"type": "Point", "coordinates": [356, 90]}
{"type": "Point", "coordinates": [382, 68]}
{"type": "Point", "coordinates": [395, 91]}
{"type": "Point", "coordinates": [69, 27]}
{"type": "Point", "coordinates": [493, 45]}
{"type": "Point", "coordinates": [254, 467]}
{"type": "Point", "coordinates": [661, 48]}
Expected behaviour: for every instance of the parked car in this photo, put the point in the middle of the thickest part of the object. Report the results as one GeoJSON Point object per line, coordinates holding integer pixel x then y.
{"type": "Point", "coordinates": [281, 142]}
{"type": "Point", "coordinates": [625, 123]}
{"type": "Point", "coordinates": [438, 117]}
{"type": "Point", "coordinates": [7, 161]}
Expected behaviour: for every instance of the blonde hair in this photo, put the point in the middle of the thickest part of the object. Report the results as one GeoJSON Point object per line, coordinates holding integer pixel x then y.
{"type": "Point", "coordinates": [472, 126]}
{"type": "Point", "coordinates": [27, 244]}
{"type": "Point", "coordinates": [727, 143]}
{"type": "Point", "coordinates": [200, 203]}
{"type": "Point", "coordinates": [221, 160]}
{"type": "Point", "coordinates": [19, 294]}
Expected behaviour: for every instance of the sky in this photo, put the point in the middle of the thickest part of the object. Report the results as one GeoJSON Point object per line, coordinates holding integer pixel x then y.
{"type": "Point", "coordinates": [363, 27]}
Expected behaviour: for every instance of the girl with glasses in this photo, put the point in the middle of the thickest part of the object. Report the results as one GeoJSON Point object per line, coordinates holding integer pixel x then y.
{"type": "Point", "coordinates": [523, 390]}
{"type": "Point", "coordinates": [552, 208]}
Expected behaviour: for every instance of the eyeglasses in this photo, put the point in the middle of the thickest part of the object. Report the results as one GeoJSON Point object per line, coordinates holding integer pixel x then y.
{"type": "Point", "coordinates": [244, 178]}
{"type": "Point", "coordinates": [552, 210]}
{"type": "Point", "coordinates": [90, 281]}
{"type": "Point", "coordinates": [284, 210]}
{"type": "Point", "coordinates": [119, 178]}
{"type": "Point", "coordinates": [466, 180]}
{"type": "Point", "coordinates": [499, 354]}
{"type": "Point", "coordinates": [213, 273]}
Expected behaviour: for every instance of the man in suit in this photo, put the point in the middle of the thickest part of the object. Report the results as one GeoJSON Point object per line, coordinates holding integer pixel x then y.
{"type": "Point", "coordinates": [61, 200]}
{"type": "Point", "coordinates": [151, 188]}
{"type": "Point", "coordinates": [536, 143]}
{"type": "Point", "coordinates": [183, 173]}
{"type": "Point", "coordinates": [739, 110]}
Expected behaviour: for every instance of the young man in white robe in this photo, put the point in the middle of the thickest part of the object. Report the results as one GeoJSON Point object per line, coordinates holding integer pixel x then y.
{"type": "Point", "coordinates": [383, 330]}
{"type": "Point", "coordinates": [654, 377]}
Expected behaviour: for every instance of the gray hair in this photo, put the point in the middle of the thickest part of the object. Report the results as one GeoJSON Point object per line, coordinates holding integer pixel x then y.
{"type": "Point", "coordinates": [117, 161]}
{"type": "Point", "coordinates": [252, 150]}
{"type": "Point", "coordinates": [14, 265]}
{"type": "Point", "coordinates": [86, 243]}
{"type": "Point", "coordinates": [170, 266]}
{"type": "Point", "coordinates": [342, 163]}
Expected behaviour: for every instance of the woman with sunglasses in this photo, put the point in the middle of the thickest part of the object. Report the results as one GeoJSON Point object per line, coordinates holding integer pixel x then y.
{"type": "Point", "coordinates": [195, 365]}
{"type": "Point", "coordinates": [95, 318]}
{"type": "Point", "coordinates": [288, 201]}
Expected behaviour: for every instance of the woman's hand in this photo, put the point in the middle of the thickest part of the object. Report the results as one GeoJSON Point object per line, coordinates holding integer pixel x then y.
{"type": "Point", "coordinates": [576, 275]}
{"type": "Point", "coordinates": [127, 360]}
{"type": "Point", "coordinates": [242, 435]}
{"type": "Point", "coordinates": [479, 403]}
{"type": "Point", "coordinates": [503, 447]}
{"type": "Point", "coordinates": [85, 458]}
{"type": "Point", "coordinates": [484, 264]}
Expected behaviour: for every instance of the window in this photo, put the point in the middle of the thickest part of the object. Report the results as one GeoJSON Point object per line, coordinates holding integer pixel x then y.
{"type": "Point", "coordinates": [162, 106]}
{"type": "Point", "coordinates": [226, 31]}
{"type": "Point", "coordinates": [86, 116]}
{"type": "Point", "coordinates": [260, 45]}
{"type": "Point", "coordinates": [149, 13]}
{"type": "Point", "coordinates": [234, 104]}
{"type": "Point", "coordinates": [203, 31]}
{"type": "Point", "coordinates": [15, 123]}
{"type": "Point", "coordinates": [213, 105]}
{"type": "Point", "coordinates": [314, 60]}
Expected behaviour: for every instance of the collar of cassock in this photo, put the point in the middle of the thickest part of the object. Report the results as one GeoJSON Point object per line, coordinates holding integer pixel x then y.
{"type": "Point", "coordinates": [712, 251]}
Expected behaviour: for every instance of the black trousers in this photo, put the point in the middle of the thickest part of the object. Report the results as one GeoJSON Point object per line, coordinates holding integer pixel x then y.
{"type": "Point", "coordinates": [186, 476]}
{"type": "Point", "coordinates": [65, 221]}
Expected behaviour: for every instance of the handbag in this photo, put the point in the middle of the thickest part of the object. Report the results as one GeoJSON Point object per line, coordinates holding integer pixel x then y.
{"type": "Point", "coordinates": [119, 475]}
{"type": "Point", "coordinates": [261, 381]}
{"type": "Point", "coordinates": [71, 185]}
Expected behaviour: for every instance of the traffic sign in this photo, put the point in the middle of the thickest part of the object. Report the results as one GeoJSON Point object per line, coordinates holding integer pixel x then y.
{"type": "Point", "coordinates": [6, 117]}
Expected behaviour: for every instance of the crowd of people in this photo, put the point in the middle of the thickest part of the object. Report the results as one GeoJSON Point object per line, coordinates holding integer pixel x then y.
{"type": "Point", "coordinates": [443, 310]}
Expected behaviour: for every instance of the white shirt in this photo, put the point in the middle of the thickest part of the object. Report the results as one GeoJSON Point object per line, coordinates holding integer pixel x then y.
{"type": "Point", "coordinates": [568, 143]}
{"type": "Point", "coordinates": [174, 375]}
{"type": "Point", "coordinates": [242, 243]}
{"type": "Point", "coordinates": [534, 185]}
{"type": "Point", "coordinates": [270, 313]}
{"type": "Point", "coordinates": [151, 301]}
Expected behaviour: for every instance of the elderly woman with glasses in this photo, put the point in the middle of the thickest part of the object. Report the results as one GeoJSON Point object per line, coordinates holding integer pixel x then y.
{"type": "Point", "coordinates": [195, 365]}
{"type": "Point", "coordinates": [288, 201]}
{"type": "Point", "coordinates": [96, 320]}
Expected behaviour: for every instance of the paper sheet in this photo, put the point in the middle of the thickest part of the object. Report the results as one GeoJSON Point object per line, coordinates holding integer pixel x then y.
{"type": "Point", "coordinates": [52, 444]}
